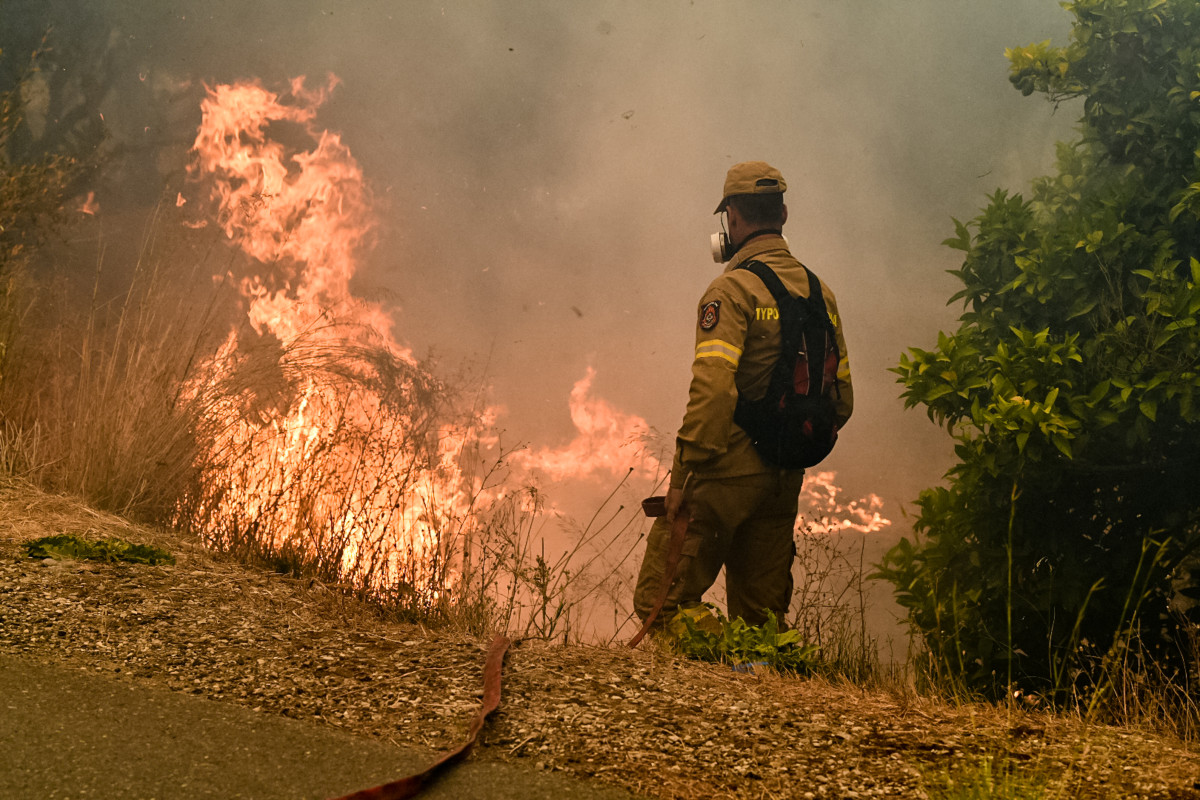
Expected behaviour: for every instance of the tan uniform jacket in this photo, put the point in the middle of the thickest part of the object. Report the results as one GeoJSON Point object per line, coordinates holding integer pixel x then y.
{"type": "Point", "coordinates": [737, 345]}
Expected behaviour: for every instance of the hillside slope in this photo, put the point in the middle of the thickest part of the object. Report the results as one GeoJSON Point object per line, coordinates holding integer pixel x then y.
{"type": "Point", "coordinates": [644, 720]}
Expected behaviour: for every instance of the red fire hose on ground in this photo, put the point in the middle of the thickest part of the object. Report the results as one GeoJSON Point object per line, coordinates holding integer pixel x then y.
{"type": "Point", "coordinates": [411, 785]}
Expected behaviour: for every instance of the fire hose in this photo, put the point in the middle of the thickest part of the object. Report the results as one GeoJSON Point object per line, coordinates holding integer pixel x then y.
{"type": "Point", "coordinates": [411, 785]}
{"type": "Point", "coordinates": [655, 507]}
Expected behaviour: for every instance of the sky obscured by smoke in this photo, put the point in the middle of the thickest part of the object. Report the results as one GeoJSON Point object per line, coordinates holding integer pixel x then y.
{"type": "Point", "coordinates": [545, 172]}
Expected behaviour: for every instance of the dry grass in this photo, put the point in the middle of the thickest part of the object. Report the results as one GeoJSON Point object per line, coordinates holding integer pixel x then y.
{"type": "Point", "coordinates": [90, 391]}
{"type": "Point", "coordinates": [830, 602]}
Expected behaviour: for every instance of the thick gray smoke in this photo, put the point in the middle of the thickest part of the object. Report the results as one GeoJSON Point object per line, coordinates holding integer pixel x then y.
{"type": "Point", "coordinates": [546, 171]}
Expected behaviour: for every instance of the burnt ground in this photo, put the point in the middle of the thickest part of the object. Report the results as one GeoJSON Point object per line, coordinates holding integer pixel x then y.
{"type": "Point", "coordinates": [642, 720]}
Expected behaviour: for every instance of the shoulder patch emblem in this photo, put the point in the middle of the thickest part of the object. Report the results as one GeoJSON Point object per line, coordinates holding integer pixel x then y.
{"type": "Point", "coordinates": [710, 314]}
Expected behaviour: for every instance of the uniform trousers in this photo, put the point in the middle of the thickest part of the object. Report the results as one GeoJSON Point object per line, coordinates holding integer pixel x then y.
{"type": "Point", "coordinates": [745, 524]}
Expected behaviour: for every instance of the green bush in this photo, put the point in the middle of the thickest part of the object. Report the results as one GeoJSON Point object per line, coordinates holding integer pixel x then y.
{"type": "Point", "coordinates": [1071, 385]}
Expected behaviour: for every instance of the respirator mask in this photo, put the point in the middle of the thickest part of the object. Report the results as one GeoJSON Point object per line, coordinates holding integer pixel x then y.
{"type": "Point", "coordinates": [722, 248]}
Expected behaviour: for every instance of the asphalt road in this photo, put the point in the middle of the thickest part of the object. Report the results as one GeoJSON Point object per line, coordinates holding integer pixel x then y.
{"type": "Point", "coordinates": [69, 734]}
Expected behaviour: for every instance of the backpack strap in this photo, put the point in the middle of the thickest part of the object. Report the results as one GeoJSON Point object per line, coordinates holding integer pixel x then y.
{"type": "Point", "coordinates": [779, 292]}
{"type": "Point", "coordinates": [770, 279]}
{"type": "Point", "coordinates": [814, 293]}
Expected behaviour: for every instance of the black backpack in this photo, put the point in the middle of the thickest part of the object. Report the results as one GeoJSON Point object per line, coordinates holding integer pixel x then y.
{"type": "Point", "coordinates": [794, 425]}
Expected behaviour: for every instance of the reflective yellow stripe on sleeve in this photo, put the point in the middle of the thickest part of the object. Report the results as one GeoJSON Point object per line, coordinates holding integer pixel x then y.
{"type": "Point", "coordinates": [715, 348]}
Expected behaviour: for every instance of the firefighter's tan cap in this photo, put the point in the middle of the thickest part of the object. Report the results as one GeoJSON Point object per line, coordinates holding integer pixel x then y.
{"type": "Point", "coordinates": [751, 177]}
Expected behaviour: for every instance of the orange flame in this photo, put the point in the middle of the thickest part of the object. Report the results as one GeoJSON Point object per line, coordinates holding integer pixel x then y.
{"type": "Point", "coordinates": [307, 209]}
{"type": "Point", "coordinates": [827, 514]}
{"type": "Point", "coordinates": [608, 442]}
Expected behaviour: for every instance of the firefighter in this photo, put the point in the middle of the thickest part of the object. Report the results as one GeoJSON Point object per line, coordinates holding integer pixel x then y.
{"type": "Point", "coordinates": [742, 510]}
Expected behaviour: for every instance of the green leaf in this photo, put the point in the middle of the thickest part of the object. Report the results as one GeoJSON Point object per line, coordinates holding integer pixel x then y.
{"type": "Point", "coordinates": [937, 392]}
{"type": "Point", "coordinates": [961, 239]}
{"type": "Point", "coordinates": [1063, 445]}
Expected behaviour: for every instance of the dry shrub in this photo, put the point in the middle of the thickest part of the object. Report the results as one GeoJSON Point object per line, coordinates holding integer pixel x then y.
{"type": "Point", "coordinates": [371, 494]}
{"type": "Point", "coordinates": [509, 579]}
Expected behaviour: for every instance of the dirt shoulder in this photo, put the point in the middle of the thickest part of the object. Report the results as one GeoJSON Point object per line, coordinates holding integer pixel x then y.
{"type": "Point", "coordinates": [644, 720]}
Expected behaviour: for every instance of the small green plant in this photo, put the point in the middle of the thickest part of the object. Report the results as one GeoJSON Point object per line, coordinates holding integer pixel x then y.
{"type": "Point", "coordinates": [69, 546]}
{"type": "Point", "coordinates": [737, 643]}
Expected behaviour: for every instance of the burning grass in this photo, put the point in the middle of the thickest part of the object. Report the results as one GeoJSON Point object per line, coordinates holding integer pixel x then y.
{"type": "Point", "coordinates": [345, 470]}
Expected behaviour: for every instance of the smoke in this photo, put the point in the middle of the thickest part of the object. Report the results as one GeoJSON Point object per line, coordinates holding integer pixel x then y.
{"type": "Point", "coordinates": [545, 172]}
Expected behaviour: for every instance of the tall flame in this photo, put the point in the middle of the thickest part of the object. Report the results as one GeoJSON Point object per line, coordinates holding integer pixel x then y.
{"type": "Point", "coordinates": [305, 214]}
{"type": "Point", "coordinates": [331, 439]}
